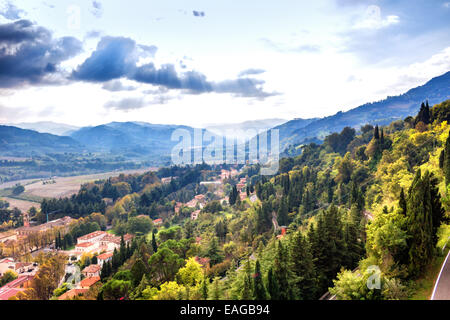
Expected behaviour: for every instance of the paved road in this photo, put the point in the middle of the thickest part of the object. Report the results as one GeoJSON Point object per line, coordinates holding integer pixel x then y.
{"type": "Point", "coordinates": [441, 289]}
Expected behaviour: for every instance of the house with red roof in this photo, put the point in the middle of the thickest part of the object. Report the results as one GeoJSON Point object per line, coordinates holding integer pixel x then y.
{"type": "Point", "coordinates": [72, 293]}
{"type": "Point", "coordinates": [92, 270]}
{"type": "Point", "coordinates": [158, 222]}
{"type": "Point", "coordinates": [88, 282]}
{"type": "Point", "coordinates": [104, 257]}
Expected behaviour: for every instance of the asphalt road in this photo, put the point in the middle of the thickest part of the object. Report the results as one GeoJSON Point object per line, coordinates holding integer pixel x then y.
{"type": "Point", "coordinates": [441, 289]}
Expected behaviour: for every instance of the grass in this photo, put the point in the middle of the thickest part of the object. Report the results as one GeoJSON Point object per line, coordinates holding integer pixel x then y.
{"type": "Point", "coordinates": [424, 286]}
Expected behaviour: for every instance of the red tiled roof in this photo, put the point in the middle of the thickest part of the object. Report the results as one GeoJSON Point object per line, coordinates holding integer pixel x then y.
{"type": "Point", "coordinates": [104, 256]}
{"type": "Point", "coordinates": [84, 244]}
{"type": "Point", "coordinates": [72, 293]}
{"type": "Point", "coordinates": [92, 235]}
{"type": "Point", "coordinates": [157, 221]}
{"type": "Point", "coordinates": [93, 268]}
{"type": "Point", "coordinates": [88, 282]}
{"type": "Point", "coordinates": [7, 293]}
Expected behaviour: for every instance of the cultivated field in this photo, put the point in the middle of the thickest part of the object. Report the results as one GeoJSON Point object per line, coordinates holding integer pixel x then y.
{"type": "Point", "coordinates": [22, 205]}
{"type": "Point", "coordinates": [67, 186]}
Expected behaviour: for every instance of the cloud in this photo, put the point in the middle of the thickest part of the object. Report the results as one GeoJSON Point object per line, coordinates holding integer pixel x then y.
{"type": "Point", "coordinates": [10, 11]}
{"type": "Point", "coordinates": [93, 34]}
{"type": "Point", "coordinates": [117, 57]}
{"type": "Point", "coordinates": [126, 104]}
{"type": "Point", "coordinates": [251, 71]}
{"type": "Point", "coordinates": [117, 85]}
{"type": "Point", "coordinates": [198, 13]}
{"type": "Point", "coordinates": [97, 9]}
{"type": "Point", "coordinates": [30, 55]}
{"type": "Point", "coordinates": [149, 50]}
{"type": "Point", "coordinates": [133, 103]}
{"type": "Point", "coordinates": [372, 19]}
{"type": "Point", "coordinates": [113, 59]}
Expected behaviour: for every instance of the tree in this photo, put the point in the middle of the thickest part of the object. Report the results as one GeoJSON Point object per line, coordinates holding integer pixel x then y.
{"type": "Point", "coordinates": [154, 245]}
{"type": "Point", "coordinates": [214, 253]}
{"type": "Point", "coordinates": [281, 272]}
{"type": "Point", "coordinates": [402, 202]}
{"type": "Point", "coordinates": [420, 224]}
{"type": "Point", "coordinates": [164, 265]}
{"type": "Point", "coordinates": [283, 212]}
{"type": "Point", "coordinates": [301, 261]}
{"type": "Point", "coordinates": [191, 274]}
{"type": "Point", "coordinates": [259, 291]}
{"type": "Point", "coordinates": [272, 286]}
{"type": "Point", "coordinates": [139, 225]}
{"type": "Point", "coordinates": [138, 270]}
{"type": "Point", "coordinates": [18, 189]}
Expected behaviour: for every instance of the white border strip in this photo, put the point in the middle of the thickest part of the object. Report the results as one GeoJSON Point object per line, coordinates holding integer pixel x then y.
{"type": "Point", "coordinates": [437, 281]}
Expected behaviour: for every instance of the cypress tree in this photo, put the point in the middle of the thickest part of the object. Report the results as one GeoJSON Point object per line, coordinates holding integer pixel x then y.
{"type": "Point", "coordinates": [259, 291]}
{"type": "Point", "coordinates": [283, 212]}
{"type": "Point", "coordinates": [281, 271]}
{"type": "Point", "coordinates": [301, 261]}
{"type": "Point", "coordinates": [446, 160]}
{"type": "Point", "coordinates": [376, 133]}
{"type": "Point", "coordinates": [204, 288]}
{"type": "Point", "coordinates": [154, 245]}
{"type": "Point", "coordinates": [272, 286]}
{"type": "Point", "coordinates": [419, 214]}
{"type": "Point", "coordinates": [402, 202]}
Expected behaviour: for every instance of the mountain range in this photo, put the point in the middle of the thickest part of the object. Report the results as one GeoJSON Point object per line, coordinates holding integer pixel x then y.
{"type": "Point", "coordinates": [139, 139]}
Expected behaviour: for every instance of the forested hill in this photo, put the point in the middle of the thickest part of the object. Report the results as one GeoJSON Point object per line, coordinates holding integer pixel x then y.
{"type": "Point", "coordinates": [378, 200]}
{"type": "Point", "coordinates": [25, 143]}
{"type": "Point", "coordinates": [382, 112]}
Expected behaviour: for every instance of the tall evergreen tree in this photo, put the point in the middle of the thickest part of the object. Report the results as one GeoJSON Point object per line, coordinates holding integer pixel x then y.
{"type": "Point", "coordinates": [281, 272]}
{"type": "Point", "coordinates": [259, 291]}
{"type": "Point", "coordinates": [283, 212]}
{"type": "Point", "coordinates": [402, 202]}
{"type": "Point", "coordinates": [272, 286]}
{"type": "Point", "coordinates": [301, 262]}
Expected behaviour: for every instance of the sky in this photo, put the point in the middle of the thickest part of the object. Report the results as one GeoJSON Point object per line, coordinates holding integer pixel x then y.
{"type": "Point", "coordinates": [198, 62]}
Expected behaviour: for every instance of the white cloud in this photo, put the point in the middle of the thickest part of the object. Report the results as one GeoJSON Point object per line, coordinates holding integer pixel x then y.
{"type": "Point", "coordinates": [373, 20]}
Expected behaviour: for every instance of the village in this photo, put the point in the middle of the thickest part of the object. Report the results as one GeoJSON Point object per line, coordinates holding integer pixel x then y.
{"type": "Point", "coordinates": [99, 245]}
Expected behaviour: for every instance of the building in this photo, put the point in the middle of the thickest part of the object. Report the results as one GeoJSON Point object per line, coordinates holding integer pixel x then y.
{"type": "Point", "coordinates": [85, 247]}
{"type": "Point", "coordinates": [7, 264]}
{"type": "Point", "coordinates": [104, 257]}
{"type": "Point", "coordinates": [14, 287]}
{"type": "Point", "coordinates": [194, 215]}
{"type": "Point", "coordinates": [200, 198]}
{"type": "Point", "coordinates": [157, 222]}
{"type": "Point", "coordinates": [25, 231]}
{"type": "Point", "coordinates": [92, 237]}
{"type": "Point", "coordinates": [72, 293]}
{"type": "Point", "coordinates": [88, 282]}
{"type": "Point", "coordinates": [92, 270]}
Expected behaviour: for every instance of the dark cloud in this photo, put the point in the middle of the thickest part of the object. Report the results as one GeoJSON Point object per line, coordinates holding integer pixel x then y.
{"type": "Point", "coordinates": [251, 72]}
{"type": "Point", "coordinates": [10, 11]}
{"type": "Point", "coordinates": [117, 57]}
{"type": "Point", "coordinates": [117, 85]}
{"type": "Point", "coordinates": [198, 13]}
{"type": "Point", "coordinates": [97, 9]}
{"type": "Point", "coordinates": [29, 54]}
{"type": "Point", "coordinates": [114, 58]}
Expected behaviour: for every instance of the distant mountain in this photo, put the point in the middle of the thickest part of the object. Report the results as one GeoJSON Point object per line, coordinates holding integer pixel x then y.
{"type": "Point", "coordinates": [243, 130]}
{"type": "Point", "coordinates": [59, 129]}
{"type": "Point", "coordinates": [25, 143]}
{"type": "Point", "coordinates": [382, 113]}
{"type": "Point", "coordinates": [130, 139]}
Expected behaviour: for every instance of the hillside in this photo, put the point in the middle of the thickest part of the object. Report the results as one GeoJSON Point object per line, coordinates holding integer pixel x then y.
{"type": "Point", "coordinates": [59, 129]}
{"type": "Point", "coordinates": [382, 113]}
{"type": "Point", "coordinates": [130, 139]}
{"type": "Point", "coordinates": [25, 143]}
